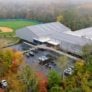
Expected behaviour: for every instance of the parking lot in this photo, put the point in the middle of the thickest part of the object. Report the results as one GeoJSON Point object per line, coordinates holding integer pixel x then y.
{"type": "Point", "coordinates": [34, 62]}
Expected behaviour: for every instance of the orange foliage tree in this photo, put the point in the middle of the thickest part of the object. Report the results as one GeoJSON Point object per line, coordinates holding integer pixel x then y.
{"type": "Point", "coordinates": [42, 82]}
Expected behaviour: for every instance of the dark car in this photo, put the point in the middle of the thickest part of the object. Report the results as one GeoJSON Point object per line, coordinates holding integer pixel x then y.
{"type": "Point", "coordinates": [53, 63]}
{"type": "Point", "coordinates": [35, 50]}
{"type": "Point", "coordinates": [31, 53]}
{"type": "Point", "coordinates": [49, 65]}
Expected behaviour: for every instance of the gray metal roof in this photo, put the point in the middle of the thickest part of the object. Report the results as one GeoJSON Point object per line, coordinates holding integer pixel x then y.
{"type": "Point", "coordinates": [48, 28]}
{"type": "Point", "coordinates": [71, 39]}
{"type": "Point", "coordinates": [58, 31]}
{"type": "Point", "coordinates": [87, 32]}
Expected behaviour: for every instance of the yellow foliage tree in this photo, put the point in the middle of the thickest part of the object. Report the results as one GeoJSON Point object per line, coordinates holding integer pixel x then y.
{"type": "Point", "coordinates": [62, 61]}
{"type": "Point", "coordinates": [60, 18]}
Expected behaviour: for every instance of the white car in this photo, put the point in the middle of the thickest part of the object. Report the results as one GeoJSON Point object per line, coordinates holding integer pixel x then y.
{"type": "Point", "coordinates": [43, 58]}
{"type": "Point", "coordinates": [68, 71]}
{"type": "Point", "coordinates": [4, 83]}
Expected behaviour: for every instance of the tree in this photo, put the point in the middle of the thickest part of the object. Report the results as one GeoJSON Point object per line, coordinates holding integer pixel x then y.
{"type": "Point", "coordinates": [54, 79]}
{"type": "Point", "coordinates": [56, 89]}
{"type": "Point", "coordinates": [62, 61]}
{"type": "Point", "coordinates": [16, 61]}
{"type": "Point", "coordinates": [29, 79]}
{"type": "Point", "coordinates": [87, 56]}
{"type": "Point", "coordinates": [87, 50]}
{"type": "Point", "coordinates": [42, 82]}
{"type": "Point", "coordinates": [5, 60]}
{"type": "Point", "coordinates": [60, 18]}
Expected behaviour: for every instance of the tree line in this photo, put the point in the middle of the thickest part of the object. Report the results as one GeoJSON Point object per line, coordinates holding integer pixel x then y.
{"type": "Point", "coordinates": [72, 17]}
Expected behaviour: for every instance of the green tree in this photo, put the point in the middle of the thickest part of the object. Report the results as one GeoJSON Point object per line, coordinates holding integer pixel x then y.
{"type": "Point", "coordinates": [56, 89]}
{"type": "Point", "coordinates": [54, 79]}
{"type": "Point", "coordinates": [87, 56]}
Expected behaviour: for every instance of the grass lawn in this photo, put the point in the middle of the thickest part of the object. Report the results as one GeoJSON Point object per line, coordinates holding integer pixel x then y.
{"type": "Point", "coordinates": [16, 23]}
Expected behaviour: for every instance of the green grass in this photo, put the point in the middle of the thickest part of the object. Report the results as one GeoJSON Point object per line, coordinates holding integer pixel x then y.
{"type": "Point", "coordinates": [17, 23]}
{"type": "Point", "coordinates": [14, 24]}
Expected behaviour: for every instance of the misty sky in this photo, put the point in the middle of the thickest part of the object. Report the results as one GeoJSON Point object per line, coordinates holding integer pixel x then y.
{"type": "Point", "coordinates": [44, 1]}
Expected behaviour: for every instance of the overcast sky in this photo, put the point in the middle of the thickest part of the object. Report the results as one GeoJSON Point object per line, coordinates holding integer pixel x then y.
{"type": "Point", "coordinates": [71, 1]}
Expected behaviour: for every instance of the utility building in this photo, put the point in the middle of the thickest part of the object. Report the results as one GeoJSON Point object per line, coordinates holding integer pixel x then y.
{"type": "Point", "coordinates": [58, 35]}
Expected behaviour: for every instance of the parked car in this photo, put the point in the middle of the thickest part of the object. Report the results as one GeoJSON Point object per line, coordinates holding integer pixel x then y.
{"type": "Point", "coordinates": [51, 57]}
{"type": "Point", "coordinates": [40, 49]}
{"type": "Point", "coordinates": [49, 65]}
{"type": "Point", "coordinates": [35, 50]}
{"type": "Point", "coordinates": [31, 53]}
{"type": "Point", "coordinates": [4, 83]}
{"type": "Point", "coordinates": [43, 60]}
{"type": "Point", "coordinates": [27, 54]}
{"type": "Point", "coordinates": [68, 71]}
{"type": "Point", "coordinates": [72, 67]}
{"type": "Point", "coordinates": [53, 63]}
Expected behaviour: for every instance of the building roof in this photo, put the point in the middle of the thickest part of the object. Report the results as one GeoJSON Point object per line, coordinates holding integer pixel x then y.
{"type": "Point", "coordinates": [71, 39]}
{"type": "Point", "coordinates": [43, 39]}
{"type": "Point", "coordinates": [83, 36]}
{"type": "Point", "coordinates": [57, 31]}
{"type": "Point", "coordinates": [48, 28]}
{"type": "Point", "coordinates": [87, 32]}
{"type": "Point", "coordinates": [53, 42]}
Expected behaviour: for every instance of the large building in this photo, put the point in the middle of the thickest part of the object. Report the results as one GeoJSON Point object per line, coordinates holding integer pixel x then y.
{"type": "Point", "coordinates": [57, 34]}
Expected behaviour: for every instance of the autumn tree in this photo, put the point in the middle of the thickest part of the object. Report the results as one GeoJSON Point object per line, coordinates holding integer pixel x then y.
{"type": "Point", "coordinates": [42, 82]}
{"type": "Point", "coordinates": [16, 61]}
{"type": "Point", "coordinates": [82, 76]}
{"type": "Point", "coordinates": [62, 62]}
{"type": "Point", "coordinates": [5, 60]}
{"type": "Point", "coordinates": [60, 18]}
{"type": "Point", "coordinates": [29, 79]}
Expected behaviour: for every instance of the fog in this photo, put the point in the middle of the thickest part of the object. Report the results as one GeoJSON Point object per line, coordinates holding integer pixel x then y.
{"type": "Point", "coordinates": [42, 8]}
{"type": "Point", "coordinates": [45, 1]}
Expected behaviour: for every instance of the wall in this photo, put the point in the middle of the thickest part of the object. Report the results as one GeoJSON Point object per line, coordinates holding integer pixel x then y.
{"type": "Point", "coordinates": [69, 47]}
{"type": "Point", "coordinates": [26, 35]}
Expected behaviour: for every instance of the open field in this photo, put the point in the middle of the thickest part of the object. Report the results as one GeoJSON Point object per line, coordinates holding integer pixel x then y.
{"type": "Point", "coordinates": [16, 23]}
